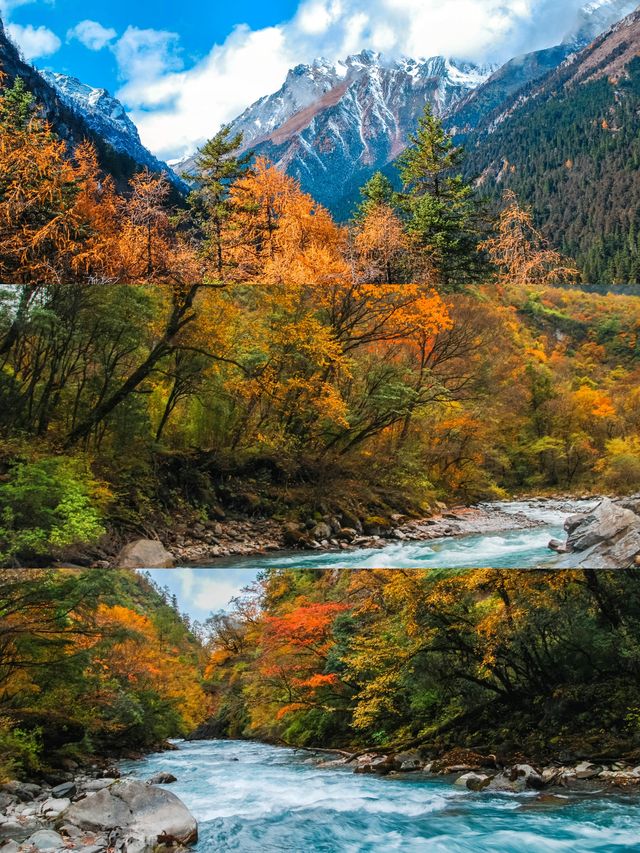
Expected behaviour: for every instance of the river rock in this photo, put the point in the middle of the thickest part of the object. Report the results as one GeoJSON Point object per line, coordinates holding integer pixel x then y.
{"type": "Point", "coordinates": [473, 781]}
{"type": "Point", "coordinates": [607, 537]}
{"type": "Point", "coordinates": [370, 763]}
{"type": "Point", "coordinates": [144, 814]}
{"type": "Point", "coordinates": [586, 770]}
{"type": "Point", "coordinates": [292, 534]}
{"type": "Point", "coordinates": [52, 808]}
{"type": "Point", "coordinates": [145, 554]}
{"type": "Point", "coordinates": [321, 532]}
{"type": "Point", "coordinates": [24, 791]}
{"type": "Point", "coordinates": [63, 791]}
{"type": "Point", "coordinates": [517, 779]}
{"type": "Point", "coordinates": [162, 778]}
{"type": "Point", "coordinates": [46, 839]}
{"type": "Point", "coordinates": [408, 761]}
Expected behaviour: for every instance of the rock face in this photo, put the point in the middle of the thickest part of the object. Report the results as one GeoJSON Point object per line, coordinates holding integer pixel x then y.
{"type": "Point", "coordinates": [332, 125]}
{"type": "Point", "coordinates": [607, 537]}
{"type": "Point", "coordinates": [145, 554]}
{"type": "Point", "coordinates": [146, 815]}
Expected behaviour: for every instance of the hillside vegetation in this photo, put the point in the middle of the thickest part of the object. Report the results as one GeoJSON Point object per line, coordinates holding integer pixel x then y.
{"type": "Point", "coordinates": [572, 152]}
{"type": "Point", "coordinates": [91, 664]}
{"type": "Point", "coordinates": [246, 354]}
{"type": "Point", "coordinates": [540, 664]}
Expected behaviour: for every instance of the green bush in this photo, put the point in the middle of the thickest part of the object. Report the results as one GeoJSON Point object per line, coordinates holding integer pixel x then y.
{"type": "Point", "coordinates": [19, 750]}
{"type": "Point", "coordinates": [47, 505]}
{"type": "Point", "coordinates": [620, 466]}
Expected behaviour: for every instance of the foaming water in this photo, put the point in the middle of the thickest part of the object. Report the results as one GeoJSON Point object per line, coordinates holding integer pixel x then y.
{"type": "Point", "coordinates": [252, 797]}
{"type": "Point", "coordinates": [516, 549]}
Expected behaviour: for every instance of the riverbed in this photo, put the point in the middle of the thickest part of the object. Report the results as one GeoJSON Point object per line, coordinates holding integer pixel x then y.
{"type": "Point", "coordinates": [507, 549]}
{"type": "Point", "coordinates": [254, 797]}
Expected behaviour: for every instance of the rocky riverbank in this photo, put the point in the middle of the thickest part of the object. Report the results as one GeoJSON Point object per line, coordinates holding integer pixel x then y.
{"type": "Point", "coordinates": [478, 772]}
{"type": "Point", "coordinates": [94, 815]}
{"type": "Point", "coordinates": [214, 540]}
{"type": "Point", "coordinates": [606, 537]}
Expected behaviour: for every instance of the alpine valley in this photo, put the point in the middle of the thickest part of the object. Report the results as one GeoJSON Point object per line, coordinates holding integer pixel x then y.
{"type": "Point", "coordinates": [568, 111]}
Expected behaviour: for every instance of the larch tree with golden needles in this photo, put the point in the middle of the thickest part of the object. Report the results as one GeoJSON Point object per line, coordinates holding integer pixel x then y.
{"type": "Point", "coordinates": [521, 253]}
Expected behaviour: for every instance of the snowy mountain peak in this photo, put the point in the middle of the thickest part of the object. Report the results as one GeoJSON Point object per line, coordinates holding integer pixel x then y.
{"type": "Point", "coordinates": [597, 16]}
{"type": "Point", "coordinates": [106, 116]}
{"type": "Point", "coordinates": [368, 77]}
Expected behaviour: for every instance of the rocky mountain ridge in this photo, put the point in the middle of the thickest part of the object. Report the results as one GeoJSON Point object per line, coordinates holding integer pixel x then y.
{"type": "Point", "coordinates": [331, 125]}
{"type": "Point", "coordinates": [107, 117]}
{"type": "Point", "coordinates": [77, 112]}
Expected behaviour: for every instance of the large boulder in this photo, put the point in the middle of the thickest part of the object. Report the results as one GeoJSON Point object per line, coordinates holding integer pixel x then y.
{"type": "Point", "coordinates": [145, 554]}
{"type": "Point", "coordinates": [145, 815]}
{"type": "Point", "coordinates": [607, 537]}
{"type": "Point", "coordinates": [162, 778]}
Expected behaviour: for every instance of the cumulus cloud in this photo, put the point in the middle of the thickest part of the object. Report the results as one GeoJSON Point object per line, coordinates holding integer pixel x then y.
{"type": "Point", "coordinates": [177, 108]}
{"type": "Point", "coordinates": [92, 34]}
{"type": "Point", "coordinates": [174, 110]}
{"type": "Point", "coordinates": [6, 6]}
{"type": "Point", "coordinates": [203, 591]}
{"type": "Point", "coordinates": [34, 42]}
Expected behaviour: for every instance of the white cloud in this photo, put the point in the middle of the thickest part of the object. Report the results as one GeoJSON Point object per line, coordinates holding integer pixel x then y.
{"type": "Point", "coordinates": [6, 6]}
{"type": "Point", "coordinates": [177, 108]}
{"type": "Point", "coordinates": [34, 42]}
{"type": "Point", "coordinates": [203, 591]}
{"type": "Point", "coordinates": [145, 56]}
{"type": "Point", "coordinates": [92, 34]}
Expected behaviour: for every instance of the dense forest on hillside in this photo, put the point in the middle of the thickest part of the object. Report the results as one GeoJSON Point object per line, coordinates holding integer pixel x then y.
{"type": "Point", "coordinates": [540, 663]}
{"type": "Point", "coordinates": [536, 664]}
{"type": "Point", "coordinates": [246, 354]}
{"type": "Point", "coordinates": [91, 663]}
{"type": "Point", "coordinates": [573, 153]}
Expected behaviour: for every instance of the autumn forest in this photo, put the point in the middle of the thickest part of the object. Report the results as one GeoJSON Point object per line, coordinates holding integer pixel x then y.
{"type": "Point", "coordinates": [428, 350]}
{"type": "Point", "coordinates": [237, 353]}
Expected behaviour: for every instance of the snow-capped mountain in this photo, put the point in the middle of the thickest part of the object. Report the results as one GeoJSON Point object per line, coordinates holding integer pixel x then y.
{"type": "Point", "coordinates": [598, 15]}
{"type": "Point", "coordinates": [331, 125]}
{"type": "Point", "coordinates": [107, 117]}
{"type": "Point", "coordinates": [381, 88]}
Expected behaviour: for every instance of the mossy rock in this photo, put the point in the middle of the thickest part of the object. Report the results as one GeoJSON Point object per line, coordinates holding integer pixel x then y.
{"type": "Point", "coordinates": [375, 525]}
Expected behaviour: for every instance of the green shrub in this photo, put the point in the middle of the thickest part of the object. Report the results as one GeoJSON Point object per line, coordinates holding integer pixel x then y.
{"type": "Point", "coordinates": [47, 505]}
{"type": "Point", "coordinates": [620, 466]}
{"type": "Point", "coordinates": [19, 750]}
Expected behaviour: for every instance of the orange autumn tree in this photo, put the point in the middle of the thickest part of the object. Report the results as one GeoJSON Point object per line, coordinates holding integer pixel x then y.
{"type": "Point", "coordinates": [55, 212]}
{"type": "Point", "coordinates": [294, 671]}
{"type": "Point", "coordinates": [317, 320]}
{"type": "Point", "coordinates": [137, 658]}
{"type": "Point", "coordinates": [521, 253]}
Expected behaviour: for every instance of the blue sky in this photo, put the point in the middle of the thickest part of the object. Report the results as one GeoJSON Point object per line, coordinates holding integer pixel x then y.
{"type": "Point", "coordinates": [184, 68]}
{"type": "Point", "coordinates": [201, 592]}
{"type": "Point", "coordinates": [199, 25]}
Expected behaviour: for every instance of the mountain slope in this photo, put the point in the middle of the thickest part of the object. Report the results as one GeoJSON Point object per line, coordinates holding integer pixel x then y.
{"type": "Point", "coordinates": [69, 121]}
{"type": "Point", "coordinates": [331, 126]}
{"type": "Point", "coordinates": [570, 147]}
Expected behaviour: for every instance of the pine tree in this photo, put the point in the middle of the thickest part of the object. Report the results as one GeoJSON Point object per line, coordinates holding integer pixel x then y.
{"type": "Point", "coordinates": [443, 216]}
{"type": "Point", "coordinates": [377, 191]}
{"type": "Point", "coordinates": [218, 166]}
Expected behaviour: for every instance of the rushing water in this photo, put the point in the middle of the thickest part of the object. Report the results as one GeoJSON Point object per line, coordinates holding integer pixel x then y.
{"type": "Point", "coordinates": [514, 549]}
{"type": "Point", "coordinates": [251, 797]}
